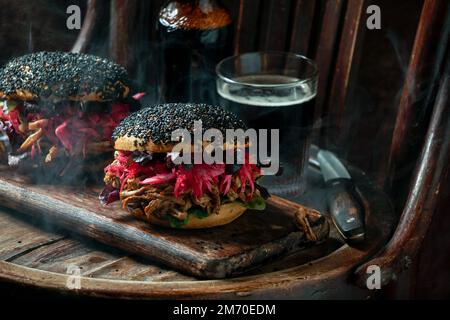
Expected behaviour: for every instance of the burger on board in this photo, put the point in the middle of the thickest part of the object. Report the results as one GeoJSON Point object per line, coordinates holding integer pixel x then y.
{"type": "Point", "coordinates": [58, 109]}
{"type": "Point", "coordinates": [150, 186]}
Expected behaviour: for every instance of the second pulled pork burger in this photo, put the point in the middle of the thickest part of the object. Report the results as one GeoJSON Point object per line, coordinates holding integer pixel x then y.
{"type": "Point", "coordinates": [150, 186]}
{"type": "Point", "coordinates": [58, 110]}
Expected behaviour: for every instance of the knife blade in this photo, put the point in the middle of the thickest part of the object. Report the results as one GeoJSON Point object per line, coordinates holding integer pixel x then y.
{"type": "Point", "coordinates": [345, 205]}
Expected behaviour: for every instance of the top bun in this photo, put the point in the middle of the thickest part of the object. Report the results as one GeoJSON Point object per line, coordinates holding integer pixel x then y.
{"type": "Point", "coordinates": [57, 76]}
{"type": "Point", "coordinates": [150, 129]}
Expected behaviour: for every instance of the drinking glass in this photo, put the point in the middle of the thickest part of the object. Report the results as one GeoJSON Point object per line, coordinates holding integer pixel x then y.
{"type": "Point", "coordinates": [274, 90]}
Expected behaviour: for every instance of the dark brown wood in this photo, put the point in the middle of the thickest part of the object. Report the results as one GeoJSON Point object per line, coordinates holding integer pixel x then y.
{"type": "Point", "coordinates": [35, 244]}
{"type": "Point", "coordinates": [346, 65]}
{"type": "Point", "coordinates": [85, 35]}
{"type": "Point", "coordinates": [418, 81]}
{"type": "Point", "coordinates": [246, 26]}
{"type": "Point", "coordinates": [58, 256]}
{"type": "Point", "coordinates": [415, 219]}
{"type": "Point", "coordinates": [325, 54]}
{"type": "Point", "coordinates": [121, 22]}
{"type": "Point", "coordinates": [434, 254]}
{"type": "Point", "coordinates": [317, 272]}
{"type": "Point", "coordinates": [213, 253]}
{"type": "Point", "coordinates": [303, 16]}
{"type": "Point", "coordinates": [274, 25]}
{"type": "Point", "coordinates": [15, 241]}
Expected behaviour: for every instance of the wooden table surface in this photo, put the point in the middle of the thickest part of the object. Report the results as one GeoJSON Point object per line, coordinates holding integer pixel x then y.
{"type": "Point", "coordinates": [35, 254]}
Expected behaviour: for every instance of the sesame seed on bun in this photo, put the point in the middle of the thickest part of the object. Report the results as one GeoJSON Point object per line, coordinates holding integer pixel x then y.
{"type": "Point", "coordinates": [56, 76]}
{"type": "Point", "coordinates": [150, 129]}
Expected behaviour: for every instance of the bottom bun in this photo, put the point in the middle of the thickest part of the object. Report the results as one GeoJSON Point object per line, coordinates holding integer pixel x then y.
{"type": "Point", "coordinates": [227, 213]}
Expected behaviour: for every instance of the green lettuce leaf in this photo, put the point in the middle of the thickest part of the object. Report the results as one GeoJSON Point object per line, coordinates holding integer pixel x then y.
{"type": "Point", "coordinates": [194, 211]}
{"type": "Point", "coordinates": [176, 223]}
{"type": "Point", "coordinates": [257, 203]}
{"type": "Point", "coordinates": [198, 212]}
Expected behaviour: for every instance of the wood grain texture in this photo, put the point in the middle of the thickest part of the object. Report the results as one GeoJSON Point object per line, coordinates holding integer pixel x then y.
{"type": "Point", "coordinates": [274, 25]}
{"type": "Point", "coordinates": [94, 261]}
{"type": "Point", "coordinates": [210, 253]}
{"type": "Point", "coordinates": [317, 272]}
{"type": "Point", "coordinates": [346, 66]}
{"type": "Point", "coordinates": [422, 200]}
{"type": "Point", "coordinates": [18, 237]}
{"type": "Point", "coordinates": [303, 17]}
{"type": "Point", "coordinates": [326, 51]}
{"type": "Point", "coordinates": [425, 62]}
{"type": "Point", "coordinates": [85, 35]}
{"type": "Point", "coordinates": [247, 28]}
{"type": "Point", "coordinates": [123, 12]}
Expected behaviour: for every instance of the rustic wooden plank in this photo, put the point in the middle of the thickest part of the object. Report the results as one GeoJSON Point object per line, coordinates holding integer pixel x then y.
{"type": "Point", "coordinates": [17, 236]}
{"type": "Point", "coordinates": [132, 269]}
{"type": "Point", "coordinates": [425, 60]}
{"type": "Point", "coordinates": [303, 16]}
{"type": "Point", "coordinates": [326, 50]}
{"type": "Point", "coordinates": [57, 257]}
{"type": "Point", "coordinates": [274, 25]}
{"type": "Point", "coordinates": [346, 66]}
{"type": "Point", "coordinates": [215, 252]}
{"type": "Point", "coordinates": [94, 261]}
{"type": "Point", "coordinates": [292, 277]}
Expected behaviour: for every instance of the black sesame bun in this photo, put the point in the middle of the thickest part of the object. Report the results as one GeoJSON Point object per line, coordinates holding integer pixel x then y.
{"type": "Point", "coordinates": [57, 76]}
{"type": "Point", "coordinates": [227, 213]}
{"type": "Point", "coordinates": [150, 129]}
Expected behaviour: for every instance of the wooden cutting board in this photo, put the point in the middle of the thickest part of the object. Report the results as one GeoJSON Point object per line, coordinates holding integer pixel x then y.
{"type": "Point", "coordinates": [209, 253]}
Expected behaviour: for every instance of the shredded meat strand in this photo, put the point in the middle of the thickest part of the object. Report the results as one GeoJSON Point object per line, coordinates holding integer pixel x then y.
{"type": "Point", "coordinates": [32, 139]}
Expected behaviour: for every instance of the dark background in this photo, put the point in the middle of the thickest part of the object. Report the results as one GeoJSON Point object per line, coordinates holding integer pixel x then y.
{"type": "Point", "coordinates": [27, 26]}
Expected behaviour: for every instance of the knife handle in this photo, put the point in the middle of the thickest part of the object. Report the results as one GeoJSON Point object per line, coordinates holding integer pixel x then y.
{"type": "Point", "coordinates": [345, 209]}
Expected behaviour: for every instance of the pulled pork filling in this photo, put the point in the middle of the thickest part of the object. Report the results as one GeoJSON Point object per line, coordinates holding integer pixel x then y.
{"type": "Point", "coordinates": [151, 184]}
{"type": "Point", "coordinates": [44, 134]}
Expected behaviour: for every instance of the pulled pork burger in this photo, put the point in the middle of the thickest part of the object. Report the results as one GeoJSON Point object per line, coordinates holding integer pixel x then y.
{"type": "Point", "coordinates": [58, 110]}
{"type": "Point", "coordinates": [144, 177]}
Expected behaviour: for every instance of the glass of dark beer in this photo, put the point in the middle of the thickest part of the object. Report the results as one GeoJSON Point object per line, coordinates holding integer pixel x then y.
{"type": "Point", "coordinates": [274, 90]}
